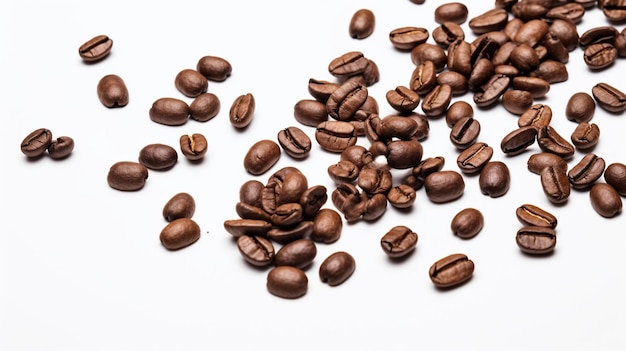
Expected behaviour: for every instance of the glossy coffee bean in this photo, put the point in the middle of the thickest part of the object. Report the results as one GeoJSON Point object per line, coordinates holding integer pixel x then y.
{"type": "Point", "coordinates": [403, 154]}
{"type": "Point", "coordinates": [536, 86]}
{"type": "Point", "coordinates": [465, 132]}
{"type": "Point", "coordinates": [452, 11]}
{"type": "Point", "coordinates": [298, 253]}
{"type": "Point", "coordinates": [127, 176]}
{"type": "Point", "coordinates": [609, 97]}
{"type": "Point", "coordinates": [600, 56]}
{"type": "Point", "coordinates": [491, 20]}
{"type": "Point", "coordinates": [193, 146]}
{"type": "Point", "coordinates": [447, 33]}
{"type": "Point", "coordinates": [495, 179]}
{"type": "Point", "coordinates": [349, 64]}
{"type": "Point", "coordinates": [538, 116]}
{"type": "Point", "coordinates": [551, 71]}
{"type": "Point", "coordinates": [245, 226]}
{"type": "Point", "coordinates": [550, 140]}
{"type": "Point", "coordinates": [436, 102]}
{"type": "Point", "coordinates": [451, 270]}
{"type": "Point", "coordinates": [346, 100]}
{"type": "Point", "coordinates": [191, 83]}
{"type": "Point", "coordinates": [256, 250]}
{"type": "Point", "coordinates": [204, 107]}
{"type": "Point", "coordinates": [295, 142]}
{"type": "Point", "coordinates": [556, 185]}
{"type": "Point", "coordinates": [518, 140]}
{"type": "Point", "coordinates": [580, 107]}
{"type": "Point", "coordinates": [401, 196]}
{"type": "Point", "coordinates": [429, 52]}
{"type": "Point", "coordinates": [287, 282]}
{"type": "Point", "coordinates": [467, 223]}
{"type": "Point", "coordinates": [214, 68]}
{"type": "Point", "coordinates": [242, 111]}
{"type": "Point", "coordinates": [312, 199]}
{"type": "Point", "coordinates": [179, 233]}
{"type": "Point", "coordinates": [399, 241]}
{"type": "Point", "coordinates": [327, 226]}
{"type": "Point", "coordinates": [36, 143]}
{"type": "Point", "coordinates": [337, 268]}
{"type": "Point", "coordinates": [584, 173]}
{"type": "Point", "coordinates": [320, 90]}
{"type": "Point", "coordinates": [261, 156]}
{"type": "Point", "coordinates": [403, 99]}
{"type": "Point", "coordinates": [158, 156]}
{"type": "Point", "coordinates": [615, 175]}
{"type": "Point", "coordinates": [491, 91]}
{"type": "Point", "coordinates": [169, 111]}
{"type": "Point", "coordinates": [585, 136]}
{"type": "Point", "coordinates": [362, 24]}
{"type": "Point", "coordinates": [61, 147]}
{"type": "Point", "coordinates": [457, 111]}
{"type": "Point", "coordinates": [444, 186]}
{"type": "Point", "coordinates": [181, 205]}
{"type": "Point", "coordinates": [310, 112]}
{"type": "Point", "coordinates": [536, 240]}
{"type": "Point", "coordinates": [286, 235]}
{"type": "Point", "coordinates": [96, 48]}
{"type": "Point", "coordinates": [474, 158]}
{"type": "Point", "coordinates": [423, 77]}
{"type": "Point", "coordinates": [406, 38]}
{"type": "Point", "coordinates": [517, 101]}
{"type": "Point", "coordinates": [531, 215]}
{"type": "Point", "coordinates": [335, 136]}
{"type": "Point", "coordinates": [605, 200]}
{"type": "Point", "coordinates": [112, 91]}
{"type": "Point", "coordinates": [538, 161]}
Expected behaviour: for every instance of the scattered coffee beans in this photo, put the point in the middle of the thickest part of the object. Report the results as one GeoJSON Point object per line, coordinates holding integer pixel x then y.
{"type": "Point", "coordinates": [193, 146]}
{"type": "Point", "coordinates": [242, 111]}
{"type": "Point", "coordinates": [261, 156]}
{"type": "Point", "coordinates": [451, 271]}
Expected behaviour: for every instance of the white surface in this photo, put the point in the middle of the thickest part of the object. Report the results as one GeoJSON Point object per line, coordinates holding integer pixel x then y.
{"type": "Point", "coordinates": [81, 266]}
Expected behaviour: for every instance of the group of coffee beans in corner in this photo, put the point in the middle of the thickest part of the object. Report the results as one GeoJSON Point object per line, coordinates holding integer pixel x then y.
{"type": "Point", "coordinates": [181, 230]}
{"type": "Point", "coordinates": [40, 141]}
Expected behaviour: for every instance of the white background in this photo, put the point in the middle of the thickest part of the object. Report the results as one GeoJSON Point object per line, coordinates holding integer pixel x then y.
{"type": "Point", "coordinates": [81, 265]}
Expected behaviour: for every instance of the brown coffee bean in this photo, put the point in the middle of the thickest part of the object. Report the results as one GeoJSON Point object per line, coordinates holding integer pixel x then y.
{"type": "Point", "coordinates": [427, 166]}
{"type": "Point", "coordinates": [349, 64]}
{"type": "Point", "coordinates": [453, 11]}
{"type": "Point", "coordinates": [424, 77]}
{"type": "Point", "coordinates": [343, 103]}
{"type": "Point", "coordinates": [204, 107]}
{"type": "Point", "coordinates": [375, 179]}
{"type": "Point", "coordinates": [401, 196]}
{"type": "Point", "coordinates": [580, 107]}
{"type": "Point", "coordinates": [96, 48]}
{"type": "Point", "coordinates": [491, 91]}
{"type": "Point", "coordinates": [570, 11]}
{"type": "Point", "coordinates": [491, 20]}
{"type": "Point", "coordinates": [429, 52]}
{"type": "Point", "coordinates": [517, 101]}
{"type": "Point", "coordinates": [457, 111]}
{"type": "Point", "coordinates": [403, 99]}
{"type": "Point", "coordinates": [609, 98]}
{"type": "Point", "coordinates": [531, 215]}
{"type": "Point", "coordinates": [584, 174]}
{"type": "Point", "coordinates": [286, 235]}
{"type": "Point", "coordinates": [295, 142]}
{"type": "Point", "coordinates": [460, 57]}
{"type": "Point", "coordinates": [396, 126]}
{"type": "Point", "coordinates": [320, 90]}
{"type": "Point", "coordinates": [600, 56]}
{"type": "Point", "coordinates": [536, 240]}
{"type": "Point", "coordinates": [474, 158]}
{"type": "Point", "coordinates": [518, 140]}
{"type": "Point", "coordinates": [287, 282]}
{"type": "Point", "coordinates": [327, 226]}
{"type": "Point", "coordinates": [494, 179]}
{"type": "Point", "coordinates": [444, 186]}
{"type": "Point", "coordinates": [556, 185]}
{"type": "Point", "coordinates": [537, 162]}
{"type": "Point", "coordinates": [467, 223]}
{"type": "Point", "coordinates": [312, 200]}
{"type": "Point", "coordinates": [337, 268]}
{"type": "Point", "coordinates": [256, 250]}
{"type": "Point", "coordinates": [357, 154]}
{"type": "Point", "coordinates": [191, 83]}
{"type": "Point", "coordinates": [605, 200]}
{"type": "Point", "coordinates": [169, 111]}
{"type": "Point", "coordinates": [524, 58]}
{"type": "Point", "coordinates": [447, 33]}
{"type": "Point", "coordinates": [465, 132]}
{"type": "Point", "coordinates": [538, 87]}
{"type": "Point", "coordinates": [550, 140]}
{"type": "Point", "coordinates": [597, 35]}
{"type": "Point", "coordinates": [529, 10]}
{"type": "Point", "coordinates": [310, 112]}
{"type": "Point", "coordinates": [362, 24]}
{"type": "Point", "coordinates": [250, 192]}
{"type": "Point", "coordinates": [436, 102]}
{"type": "Point", "coordinates": [158, 156]}
{"type": "Point", "coordinates": [127, 176]}
{"type": "Point", "coordinates": [286, 185]}
{"type": "Point", "coordinates": [246, 226]}
{"type": "Point", "coordinates": [551, 71]}
{"type": "Point", "coordinates": [214, 68]}
{"type": "Point", "coordinates": [112, 91]}
{"type": "Point", "coordinates": [537, 116]}
{"type": "Point", "coordinates": [242, 111]}
{"type": "Point", "coordinates": [613, 10]}
{"type": "Point", "coordinates": [403, 154]}
{"type": "Point", "coordinates": [179, 233]}
{"type": "Point", "coordinates": [61, 148]}
{"type": "Point", "coordinates": [193, 146]}
{"type": "Point", "coordinates": [181, 205]}
{"type": "Point", "coordinates": [451, 271]}
{"type": "Point", "coordinates": [36, 143]}
{"type": "Point", "coordinates": [566, 31]}
{"type": "Point", "coordinates": [457, 82]}
{"type": "Point", "coordinates": [261, 156]}
{"type": "Point", "coordinates": [298, 253]}
{"type": "Point", "coordinates": [615, 175]}
{"type": "Point", "coordinates": [406, 38]}
{"type": "Point", "coordinates": [286, 215]}
{"type": "Point", "coordinates": [399, 241]}
{"type": "Point", "coordinates": [585, 136]}
{"type": "Point", "coordinates": [335, 136]}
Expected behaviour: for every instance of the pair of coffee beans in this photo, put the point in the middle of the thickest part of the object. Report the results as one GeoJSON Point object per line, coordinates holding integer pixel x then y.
{"type": "Point", "coordinates": [163, 157]}
{"type": "Point", "coordinates": [40, 141]}
{"type": "Point", "coordinates": [181, 231]}
{"type": "Point", "coordinates": [538, 233]}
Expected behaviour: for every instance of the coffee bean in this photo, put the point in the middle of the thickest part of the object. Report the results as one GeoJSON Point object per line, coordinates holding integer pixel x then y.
{"type": "Point", "coordinates": [457, 82]}
{"type": "Point", "coordinates": [537, 116]}
{"type": "Point", "coordinates": [615, 175]}
{"type": "Point", "coordinates": [465, 133]}
{"type": "Point", "coordinates": [517, 101]}
{"type": "Point", "coordinates": [312, 200]}
{"type": "Point", "coordinates": [452, 11]}
{"type": "Point", "coordinates": [457, 111]}
{"type": "Point", "coordinates": [191, 83]}
{"type": "Point", "coordinates": [193, 146]}
{"type": "Point", "coordinates": [474, 158]}
{"type": "Point", "coordinates": [518, 140]}
{"type": "Point", "coordinates": [429, 52]}
{"type": "Point", "coordinates": [320, 90]}
{"type": "Point", "coordinates": [337, 268]}
{"type": "Point", "coordinates": [349, 64]}
{"type": "Point", "coordinates": [286, 235]}
{"type": "Point", "coordinates": [494, 179]}
{"type": "Point", "coordinates": [204, 107]}
{"type": "Point", "coordinates": [310, 112]}
{"type": "Point", "coordinates": [261, 156]}
{"type": "Point", "coordinates": [179, 233]}
{"type": "Point", "coordinates": [375, 179]}
{"type": "Point", "coordinates": [531, 215]}
{"type": "Point", "coordinates": [584, 174]}
{"type": "Point", "coordinates": [335, 136]}
{"type": "Point", "coordinates": [423, 77]}
{"type": "Point", "coordinates": [536, 240]}
{"type": "Point", "coordinates": [169, 111]}
{"type": "Point", "coordinates": [406, 38]}
{"type": "Point", "coordinates": [327, 226]}
{"type": "Point", "coordinates": [491, 20]}
{"type": "Point", "coordinates": [436, 102]}
{"type": "Point", "coordinates": [286, 185]}
{"type": "Point", "coordinates": [362, 24]}
{"type": "Point", "coordinates": [467, 223]}
{"type": "Point", "coordinates": [605, 200]}
{"type": "Point", "coordinates": [36, 143]}
{"type": "Point", "coordinates": [538, 87]}
{"type": "Point", "coordinates": [491, 90]}
{"type": "Point", "coordinates": [460, 57]}
{"type": "Point", "coordinates": [538, 161]}
{"type": "Point", "coordinates": [181, 205]}
{"type": "Point", "coordinates": [403, 99]}
{"type": "Point", "coordinates": [556, 50]}
{"type": "Point", "coordinates": [61, 148]}
{"type": "Point", "coordinates": [566, 31]}
{"type": "Point", "coordinates": [96, 48]}
{"type": "Point", "coordinates": [158, 156]}
{"type": "Point", "coordinates": [401, 196]}
{"type": "Point", "coordinates": [556, 185]}
{"type": "Point", "coordinates": [295, 142]}
{"type": "Point", "coordinates": [242, 111]}
{"type": "Point", "coordinates": [609, 97]}
{"type": "Point", "coordinates": [585, 136]}
{"type": "Point", "coordinates": [287, 282]}
{"type": "Point", "coordinates": [247, 211]}
{"type": "Point", "coordinates": [127, 176]}
{"type": "Point", "coordinates": [343, 103]}
{"type": "Point", "coordinates": [524, 58]}
{"type": "Point", "coordinates": [214, 68]}
{"type": "Point", "coordinates": [570, 11]}
{"type": "Point", "coordinates": [551, 71]}
{"type": "Point", "coordinates": [613, 10]}
{"type": "Point", "coordinates": [256, 250]}
{"type": "Point", "coordinates": [395, 126]}
{"type": "Point", "coordinates": [451, 270]}
{"type": "Point", "coordinates": [600, 56]}
{"type": "Point", "coordinates": [246, 226]}
{"type": "Point", "coordinates": [447, 33]}
{"type": "Point", "coordinates": [286, 215]}
{"type": "Point", "coordinates": [419, 173]}
{"type": "Point", "coordinates": [444, 186]}
{"type": "Point", "coordinates": [298, 253]}
{"type": "Point", "coordinates": [399, 241]}
{"type": "Point", "coordinates": [550, 140]}
{"type": "Point", "coordinates": [112, 91]}
{"type": "Point", "coordinates": [403, 154]}
{"type": "Point", "coordinates": [598, 35]}
{"type": "Point", "coordinates": [580, 107]}
{"type": "Point", "coordinates": [529, 10]}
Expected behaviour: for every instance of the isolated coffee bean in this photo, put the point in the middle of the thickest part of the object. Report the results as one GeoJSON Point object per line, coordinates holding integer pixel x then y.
{"type": "Point", "coordinates": [556, 185]}
{"type": "Point", "coordinates": [287, 282]}
{"type": "Point", "coordinates": [36, 143]}
{"type": "Point", "coordinates": [214, 68]}
{"type": "Point", "coordinates": [584, 173]}
{"type": "Point", "coordinates": [242, 110]}
{"type": "Point", "coordinates": [451, 270]}
{"type": "Point", "coordinates": [362, 24]}
{"type": "Point", "coordinates": [191, 83]}
{"type": "Point", "coordinates": [337, 268]}
{"type": "Point", "coordinates": [494, 179]}
{"type": "Point", "coordinates": [335, 136]}
{"type": "Point", "coordinates": [96, 48]}
{"type": "Point", "coordinates": [585, 136]}
{"type": "Point", "coordinates": [169, 111]}
{"type": "Point", "coordinates": [298, 253]}
{"type": "Point", "coordinates": [444, 186]}
{"type": "Point", "coordinates": [127, 176]}
{"type": "Point", "coordinates": [467, 223]}
{"type": "Point", "coordinates": [179, 233]}
{"type": "Point", "coordinates": [158, 156]}
{"type": "Point", "coordinates": [193, 146]}
{"type": "Point", "coordinates": [399, 241]}
{"type": "Point", "coordinates": [518, 140]}
{"type": "Point", "coordinates": [261, 156]}
{"type": "Point", "coordinates": [536, 240]}
{"type": "Point", "coordinates": [609, 98]}
{"type": "Point", "coordinates": [295, 142]}
{"type": "Point", "coordinates": [615, 175]}
{"type": "Point", "coordinates": [406, 38]}
{"type": "Point", "coordinates": [204, 107]}
{"type": "Point", "coordinates": [112, 91]}
{"type": "Point", "coordinates": [61, 147]}
{"type": "Point", "coordinates": [474, 158]}
{"type": "Point", "coordinates": [531, 215]}
{"type": "Point", "coordinates": [181, 205]}
{"type": "Point", "coordinates": [580, 107]}
{"type": "Point", "coordinates": [256, 250]}
{"type": "Point", "coordinates": [605, 200]}
{"type": "Point", "coordinates": [538, 161]}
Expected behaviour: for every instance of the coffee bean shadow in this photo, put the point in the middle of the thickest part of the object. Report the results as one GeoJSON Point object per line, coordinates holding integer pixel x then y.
{"type": "Point", "coordinates": [35, 159]}
{"type": "Point", "coordinates": [454, 287]}
{"type": "Point", "coordinates": [405, 211]}
{"type": "Point", "coordinates": [196, 162]}
{"type": "Point", "coordinates": [539, 255]}
{"type": "Point", "coordinates": [91, 63]}
{"type": "Point", "coordinates": [402, 259]}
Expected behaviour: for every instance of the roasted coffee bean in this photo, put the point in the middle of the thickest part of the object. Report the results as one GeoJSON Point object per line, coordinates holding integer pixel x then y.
{"type": "Point", "coordinates": [362, 24]}
{"type": "Point", "coordinates": [214, 68]}
{"type": "Point", "coordinates": [256, 250]}
{"type": "Point", "coordinates": [598, 35]}
{"type": "Point", "coordinates": [365, 208]}
{"type": "Point", "coordinates": [491, 20]}
{"type": "Point", "coordinates": [506, 70]}
{"type": "Point", "coordinates": [494, 179]}
{"type": "Point", "coordinates": [615, 175]}
{"type": "Point", "coordinates": [566, 31]}
{"type": "Point", "coordinates": [343, 103]}
{"type": "Point", "coordinates": [531, 215]}
{"type": "Point", "coordinates": [394, 126]}
{"type": "Point", "coordinates": [242, 110]}
{"type": "Point", "coordinates": [584, 174]}
{"type": "Point", "coordinates": [467, 223]}
{"type": "Point", "coordinates": [451, 12]}
{"type": "Point", "coordinates": [286, 185]}
{"type": "Point", "coordinates": [465, 133]}
{"type": "Point", "coordinates": [36, 143]}
{"type": "Point", "coordinates": [550, 140]}
{"type": "Point", "coordinates": [427, 166]}
{"type": "Point", "coordinates": [517, 101]}
{"type": "Point", "coordinates": [369, 108]}
{"type": "Point", "coordinates": [444, 186]}
{"type": "Point", "coordinates": [556, 50]}
{"type": "Point", "coordinates": [524, 58]}
{"type": "Point", "coordinates": [286, 215]}
{"type": "Point", "coordinates": [460, 57]}
{"type": "Point", "coordinates": [451, 270]}
{"type": "Point", "coordinates": [570, 11]}
{"type": "Point", "coordinates": [245, 226]}
{"type": "Point", "coordinates": [403, 99]}
{"type": "Point", "coordinates": [600, 56]}
{"type": "Point", "coordinates": [320, 90]}
{"type": "Point", "coordinates": [429, 52]}
{"type": "Point", "coordinates": [247, 211]}
{"type": "Point", "coordinates": [537, 116]}
{"type": "Point", "coordinates": [191, 83]}
{"type": "Point", "coordinates": [555, 183]}
{"type": "Point", "coordinates": [298, 253]}
{"type": "Point", "coordinates": [371, 75]}
{"type": "Point", "coordinates": [518, 140]}
{"type": "Point", "coordinates": [491, 90]}
{"type": "Point", "coordinates": [620, 45]}
{"type": "Point", "coordinates": [537, 162]}
{"type": "Point", "coordinates": [295, 142]}
{"type": "Point", "coordinates": [605, 200]}
{"type": "Point", "coordinates": [180, 233]}
{"type": "Point", "coordinates": [193, 146]}
{"type": "Point", "coordinates": [287, 282]}
{"type": "Point", "coordinates": [551, 71]}
{"type": "Point", "coordinates": [312, 199]}
{"type": "Point", "coordinates": [406, 38]}
{"type": "Point", "coordinates": [349, 64]}
{"type": "Point", "coordinates": [169, 111]}
{"type": "Point", "coordinates": [261, 156]}
{"type": "Point", "coordinates": [286, 235]}
{"type": "Point", "coordinates": [204, 107]}
{"type": "Point", "coordinates": [580, 107]}
{"type": "Point", "coordinates": [358, 155]}
{"type": "Point", "coordinates": [536, 240]}
{"type": "Point", "coordinates": [609, 98]}
{"type": "Point", "coordinates": [529, 10]}
{"type": "Point", "coordinates": [181, 205]}
{"type": "Point", "coordinates": [310, 112]}
{"type": "Point", "coordinates": [401, 196]}
{"type": "Point", "coordinates": [375, 179]}
{"type": "Point", "coordinates": [61, 147]}
{"type": "Point", "coordinates": [436, 102]}
{"type": "Point", "coordinates": [538, 87]}
{"type": "Point", "coordinates": [447, 33]}
{"type": "Point", "coordinates": [112, 91]}
{"type": "Point", "coordinates": [399, 241]}
{"type": "Point", "coordinates": [337, 268]}
{"type": "Point", "coordinates": [486, 46]}
{"type": "Point", "coordinates": [424, 77]}
{"type": "Point", "coordinates": [457, 82]}
{"type": "Point", "coordinates": [127, 176]}
{"type": "Point", "coordinates": [482, 71]}
{"type": "Point", "coordinates": [474, 158]}
{"type": "Point", "coordinates": [158, 156]}
{"type": "Point", "coordinates": [585, 136]}
{"type": "Point", "coordinates": [403, 154]}
{"type": "Point", "coordinates": [502, 55]}
{"type": "Point", "coordinates": [96, 48]}
{"type": "Point", "coordinates": [457, 111]}
{"type": "Point", "coordinates": [613, 10]}
{"type": "Point", "coordinates": [327, 226]}
{"type": "Point", "coordinates": [335, 136]}
{"type": "Point", "coordinates": [250, 192]}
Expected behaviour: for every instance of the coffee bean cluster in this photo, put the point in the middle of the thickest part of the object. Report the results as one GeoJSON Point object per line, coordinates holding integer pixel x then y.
{"type": "Point", "coordinates": [181, 230]}
{"type": "Point", "coordinates": [40, 141]}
